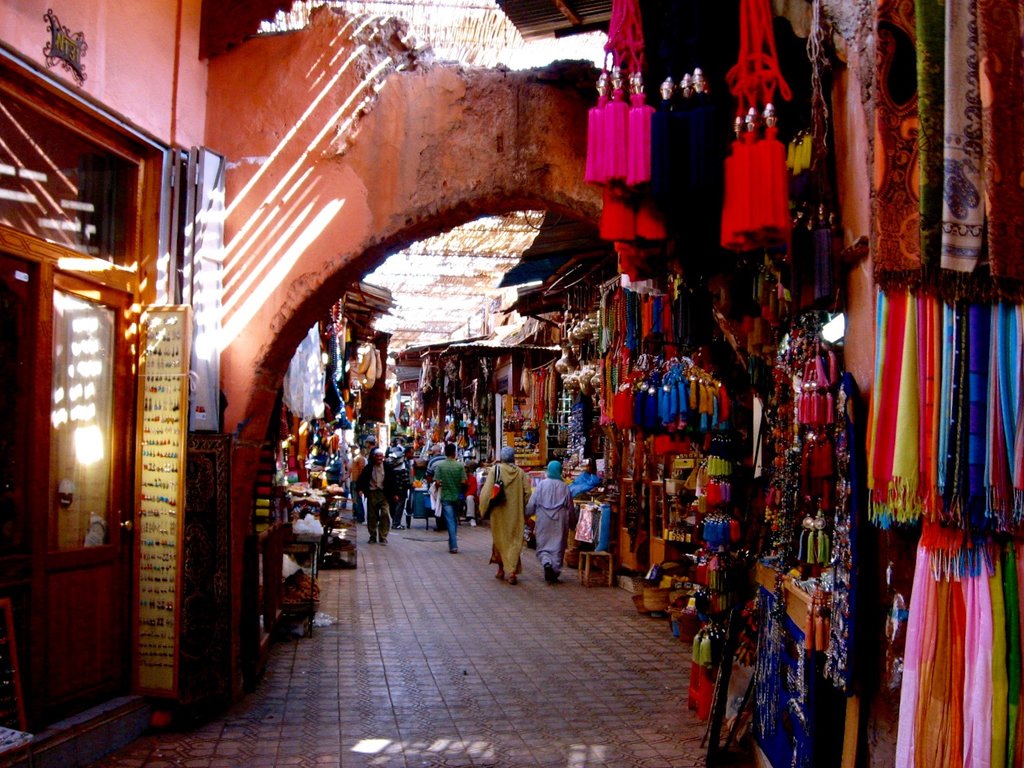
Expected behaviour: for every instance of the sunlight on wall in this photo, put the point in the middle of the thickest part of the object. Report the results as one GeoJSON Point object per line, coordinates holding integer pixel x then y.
{"type": "Point", "coordinates": [261, 291]}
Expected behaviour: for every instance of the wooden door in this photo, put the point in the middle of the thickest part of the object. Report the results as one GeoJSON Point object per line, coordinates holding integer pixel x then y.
{"type": "Point", "coordinates": [87, 562]}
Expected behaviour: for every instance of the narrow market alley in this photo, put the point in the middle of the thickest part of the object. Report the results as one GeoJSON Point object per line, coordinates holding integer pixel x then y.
{"type": "Point", "coordinates": [434, 662]}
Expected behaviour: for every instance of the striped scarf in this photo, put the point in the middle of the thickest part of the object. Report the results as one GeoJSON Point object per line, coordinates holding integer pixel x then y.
{"type": "Point", "coordinates": [894, 459]}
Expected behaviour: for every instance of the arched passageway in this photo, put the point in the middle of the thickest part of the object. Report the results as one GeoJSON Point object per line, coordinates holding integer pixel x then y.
{"type": "Point", "coordinates": [344, 145]}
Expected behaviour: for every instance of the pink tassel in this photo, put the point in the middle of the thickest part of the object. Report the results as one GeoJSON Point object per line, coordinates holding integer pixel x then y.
{"type": "Point", "coordinates": [639, 159]}
{"type": "Point", "coordinates": [596, 173]}
{"type": "Point", "coordinates": [616, 124]}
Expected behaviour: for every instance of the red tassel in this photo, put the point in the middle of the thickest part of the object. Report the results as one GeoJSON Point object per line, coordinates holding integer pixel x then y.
{"type": "Point", "coordinates": [773, 220]}
{"type": "Point", "coordinates": [639, 157]}
{"type": "Point", "coordinates": [734, 208]}
{"type": "Point", "coordinates": [650, 223]}
{"type": "Point", "coordinates": [596, 173]}
{"type": "Point", "coordinates": [618, 221]}
{"type": "Point", "coordinates": [616, 124]}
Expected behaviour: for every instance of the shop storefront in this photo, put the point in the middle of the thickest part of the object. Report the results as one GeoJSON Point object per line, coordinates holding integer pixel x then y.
{"type": "Point", "coordinates": [78, 222]}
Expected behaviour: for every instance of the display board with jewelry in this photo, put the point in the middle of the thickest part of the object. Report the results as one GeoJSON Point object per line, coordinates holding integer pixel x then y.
{"type": "Point", "coordinates": [160, 483]}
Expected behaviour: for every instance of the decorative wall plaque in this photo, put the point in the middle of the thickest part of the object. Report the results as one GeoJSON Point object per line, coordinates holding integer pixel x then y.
{"type": "Point", "coordinates": [65, 48]}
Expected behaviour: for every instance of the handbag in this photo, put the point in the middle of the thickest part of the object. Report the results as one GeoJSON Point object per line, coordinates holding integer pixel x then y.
{"type": "Point", "coordinates": [498, 487]}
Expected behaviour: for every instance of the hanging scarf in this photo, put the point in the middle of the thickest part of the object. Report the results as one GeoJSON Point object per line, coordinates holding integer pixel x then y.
{"type": "Point", "coordinates": [896, 463]}
{"type": "Point", "coordinates": [955, 487]}
{"type": "Point", "coordinates": [1004, 391]}
{"type": "Point", "coordinates": [1002, 93]}
{"type": "Point", "coordinates": [979, 320]}
{"type": "Point", "coordinates": [895, 214]}
{"type": "Point", "coordinates": [946, 393]}
{"type": "Point", "coordinates": [939, 721]}
{"type": "Point", "coordinates": [963, 210]}
{"type": "Point", "coordinates": [1011, 599]}
{"type": "Point", "coordinates": [978, 705]}
{"type": "Point", "coordinates": [929, 346]}
{"type": "Point", "coordinates": [920, 628]}
{"type": "Point", "coordinates": [929, 16]}
{"type": "Point", "coordinates": [1000, 668]}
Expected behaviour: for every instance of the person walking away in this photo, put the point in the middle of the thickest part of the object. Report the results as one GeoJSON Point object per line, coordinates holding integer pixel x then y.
{"type": "Point", "coordinates": [507, 513]}
{"type": "Point", "coordinates": [402, 464]}
{"type": "Point", "coordinates": [552, 503]}
{"type": "Point", "coordinates": [377, 484]}
{"type": "Point", "coordinates": [358, 464]}
{"type": "Point", "coordinates": [450, 475]}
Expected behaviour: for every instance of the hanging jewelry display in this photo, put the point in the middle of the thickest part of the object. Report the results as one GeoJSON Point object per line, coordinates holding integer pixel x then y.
{"type": "Point", "coordinates": [768, 665]}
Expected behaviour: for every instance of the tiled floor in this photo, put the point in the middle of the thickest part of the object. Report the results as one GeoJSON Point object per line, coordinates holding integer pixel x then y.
{"type": "Point", "coordinates": [434, 662]}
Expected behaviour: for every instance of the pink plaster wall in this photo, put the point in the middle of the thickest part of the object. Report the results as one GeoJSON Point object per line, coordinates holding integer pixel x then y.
{"type": "Point", "coordinates": [141, 63]}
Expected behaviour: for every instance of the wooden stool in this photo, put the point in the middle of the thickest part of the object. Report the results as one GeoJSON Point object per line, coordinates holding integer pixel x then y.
{"type": "Point", "coordinates": [604, 571]}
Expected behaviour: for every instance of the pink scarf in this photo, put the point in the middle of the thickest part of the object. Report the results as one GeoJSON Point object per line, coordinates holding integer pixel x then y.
{"type": "Point", "coordinates": [977, 691]}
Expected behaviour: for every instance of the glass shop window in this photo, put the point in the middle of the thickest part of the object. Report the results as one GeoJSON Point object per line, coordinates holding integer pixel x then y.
{"type": "Point", "coordinates": [61, 187]}
{"type": "Point", "coordinates": [81, 419]}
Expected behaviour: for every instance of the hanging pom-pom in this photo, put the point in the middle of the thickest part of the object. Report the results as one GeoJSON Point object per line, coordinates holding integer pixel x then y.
{"type": "Point", "coordinates": [596, 173]}
{"type": "Point", "coordinates": [639, 136]}
{"type": "Point", "coordinates": [616, 124]}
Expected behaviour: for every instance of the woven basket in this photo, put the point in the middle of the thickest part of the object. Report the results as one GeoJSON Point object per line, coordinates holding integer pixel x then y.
{"type": "Point", "coordinates": [656, 599]}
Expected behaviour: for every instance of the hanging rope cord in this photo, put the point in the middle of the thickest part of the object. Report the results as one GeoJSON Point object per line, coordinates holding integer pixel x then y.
{"type": "Point", "coordinates": [625, 36]}
{"type": "Point", "coordinates": [816, 52]}
{"type": "Point", "coordinates": [755, 77]}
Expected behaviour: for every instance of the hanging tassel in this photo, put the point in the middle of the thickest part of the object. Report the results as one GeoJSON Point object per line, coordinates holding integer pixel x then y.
{"type": "Point", "coordinates": [661, 146]}
{"type": "Point", "coordinates": [701, 160]}
{"type": "Point", "coordinates": [824, 257]}
{"type": "Point", "coordinates": [639, 135]}
{"type": "Point", "coordinates": [649, 220]}
{"type": "Point", "coordinates": [618, 220]}
{"type": "Point", "coordinates": [616, 125]}
{"type": "Point", "coordinates": [596, 173]}
{"type": "Point", "coordinates": [736, 214]}
{"type": "Point", "coordinates": [771, 208]}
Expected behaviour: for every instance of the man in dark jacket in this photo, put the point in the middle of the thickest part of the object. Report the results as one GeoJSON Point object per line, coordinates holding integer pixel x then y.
{"type": "Point", "coordinates": [378, 486]}
{"type": "Point", "coordinates": [401, 461]}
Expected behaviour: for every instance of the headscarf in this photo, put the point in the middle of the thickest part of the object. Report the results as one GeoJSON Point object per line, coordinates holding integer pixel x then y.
{"type": "Point", "coordinates": [508, 455]}
{"type": "Point", "coordinates": [555, 470]}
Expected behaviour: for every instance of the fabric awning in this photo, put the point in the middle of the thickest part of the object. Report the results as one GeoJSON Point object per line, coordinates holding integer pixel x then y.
{"type": "Point", "coordinates": [533, 270]}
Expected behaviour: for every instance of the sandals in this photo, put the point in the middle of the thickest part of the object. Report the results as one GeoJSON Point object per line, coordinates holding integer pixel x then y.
{"type": "Point", "coordinates": [500, 574]}
{"type": "Point", "coordinates": [512, 579]}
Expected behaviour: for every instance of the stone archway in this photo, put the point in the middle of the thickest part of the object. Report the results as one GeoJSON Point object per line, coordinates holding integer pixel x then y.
{"type": "Point", "coordinates": [344, 145]}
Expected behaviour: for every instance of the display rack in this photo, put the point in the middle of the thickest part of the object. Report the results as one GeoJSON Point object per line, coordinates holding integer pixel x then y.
{"type": "Point", "coordinates": [160, 496]}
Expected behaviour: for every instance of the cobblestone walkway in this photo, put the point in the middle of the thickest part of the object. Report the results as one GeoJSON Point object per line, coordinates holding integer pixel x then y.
{"type": "Point", "coordinates": [433, 662]}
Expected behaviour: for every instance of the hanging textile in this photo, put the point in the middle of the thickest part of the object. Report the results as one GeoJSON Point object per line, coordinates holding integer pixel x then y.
{"type": "Point", "coordinates": [895, 214]}
{"type": "Point", "coordinates": [1002, 101]}
{"type": "Point", "coordinates": [756, 206]}
{"type": "Point", "coordinates": [894, 461]}
{"type": "Point", "coordinates": [963, 212]}
{"type": "Point", "coordinates": [930, 28]}
{"type": "Point", "coordinates": [920, 625]}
